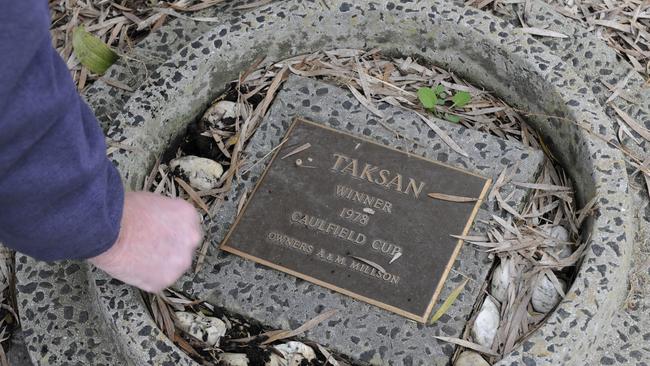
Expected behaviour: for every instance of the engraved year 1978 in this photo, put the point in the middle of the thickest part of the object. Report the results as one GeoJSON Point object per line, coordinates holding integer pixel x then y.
{"type": "Point", "coordinates": [355, 216]}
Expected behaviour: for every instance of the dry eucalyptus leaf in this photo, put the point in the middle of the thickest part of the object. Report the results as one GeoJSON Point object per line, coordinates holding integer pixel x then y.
{"type": "Point", "coordinates": [448, 301]}
{"type": "Point", "coordinates": [452, 198]}
{"type": "Point", "coordinates": [92, 52]}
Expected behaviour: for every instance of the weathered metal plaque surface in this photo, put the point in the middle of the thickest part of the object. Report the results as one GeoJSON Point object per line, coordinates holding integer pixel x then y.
{"type": "Point", "coordinates": [356, 217]}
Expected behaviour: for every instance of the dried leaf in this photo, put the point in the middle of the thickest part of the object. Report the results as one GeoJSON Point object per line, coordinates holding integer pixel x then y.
{"type": "Point", "coordinates": [91, 51]}
{"type": "Point", "coordinates": [365, 102]}
{"type": "Point", "coordinates": [470, 237]}
{"type": "Point", "coordinates": [370, 263]}
{"type": "Point", "coordinates": [449, 301]}
{"type": "Point", "coordinates": [467, 344]}
{"type": "Point", "coordinates": [297, 150]}
{"type": "Point", "coordinates": [242, 202]}
{"type": "Point", "coordinates": [543, 32]}
{"type": "Point", "coordinates": [395, 257]}
{"type": "Point", "coordinates": [303, 328]}
{"type": "Point", "coordinates": [268, 334]}
{"type": "Point", "coordinates": [116, 84]}
{"type": "Point", "coordinates": [542, 186]}
{"type": "Point", "coordinates": [148, 183]}
{"type": "Point", "coordinates": [265, 156]}
{"type": "Point", "coordinates": [451, 198]}
{"type": "Point", "coordinates": [175, 14]}
{"type": "Point", "coordinates": [448, 140]}
{"type": "Point", "coordinates": [193, 195]}
{"type": "Point", "coordinates": [182, 343]}
{"type": "Point", "coordinates": [611, 24]}
{"type": "Point", "coordinates": [251, 5]}
{"type": "Point", "coordinates": [636, 126]}
{"type": "Point", "coordinates": [328, 356]}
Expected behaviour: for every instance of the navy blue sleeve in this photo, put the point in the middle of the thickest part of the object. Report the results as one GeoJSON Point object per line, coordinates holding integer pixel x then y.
{"type": "Point", "coordinates": [60, 197]}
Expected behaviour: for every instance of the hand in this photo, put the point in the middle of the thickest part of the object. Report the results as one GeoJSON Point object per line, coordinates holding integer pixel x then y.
{"type": "Point", "coordinates": [157, 239]}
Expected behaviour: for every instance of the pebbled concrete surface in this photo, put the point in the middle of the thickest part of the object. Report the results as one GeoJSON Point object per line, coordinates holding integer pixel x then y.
{"type": "Point", "coordinates": [61, 325]}
{"type": "Point", "coordinates": [488, 51]}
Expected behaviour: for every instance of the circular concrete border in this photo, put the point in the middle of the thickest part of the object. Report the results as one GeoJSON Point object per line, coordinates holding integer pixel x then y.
{"type": "Point", "coordinates": [477, 46]}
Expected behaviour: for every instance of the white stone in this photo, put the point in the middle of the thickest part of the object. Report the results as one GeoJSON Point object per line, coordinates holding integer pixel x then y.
{"type": "Point", "coordinates": [275, 360]}
{"type": "Point", "coordinates": [470, 358]}
{"type": "Point", "coordinates": [203, 174]}
{"type": "Point", "coordinates": [562, 247]}
{"type": "Point", "coordinates": [233, 359]}
{"type": "Point", "coordinates": [295, 352]}
{"type": "Point", "coordinates": [222, 111]}
{"type": "Point", "coordinates": [184, 320]}
{"type": "Point", "coordinates": [501, 279]}
{"type": "Point", "coordinates": [486, 324]}
{"type": "Point", "coordinates": [545, 296]}
{"type": "Point", "coordinates": [204, 328]}
{"type": "Point", "coordinates": [558, 232]}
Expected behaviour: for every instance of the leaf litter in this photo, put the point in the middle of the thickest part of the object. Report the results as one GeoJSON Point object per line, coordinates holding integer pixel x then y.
{"type": "Point", "coordinates": [9, 320]}
{"type": "Point", "coordinates": [122, 24]}
{"type": "Point", "coordinates": [242, 336]}
{"type": "Point", "coordinates": [118, 26]}
{"type": "Point", "coordinates": [622, 24]}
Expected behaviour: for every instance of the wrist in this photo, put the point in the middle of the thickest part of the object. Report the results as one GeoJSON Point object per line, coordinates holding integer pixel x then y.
{"type": "Point", "coordinates": [108, 257]}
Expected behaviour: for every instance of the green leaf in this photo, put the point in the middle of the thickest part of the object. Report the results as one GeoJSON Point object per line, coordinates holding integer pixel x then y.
{"type": "Point", "coordinates": [452, 118]}
{"type": "Point", "coordinates": [427, 97]}
{"type": "Point", "coordinates": [448, 301]}
{"type": "Point", "coordinates": [91, 51]}
{"type": "Point", "coordinates": [439, 89]}
{"type": "Point", "coordinates": [461, 98]}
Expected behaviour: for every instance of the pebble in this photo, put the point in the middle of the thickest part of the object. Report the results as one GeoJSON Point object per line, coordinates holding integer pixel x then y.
{"type": "Point", "coordinates": [501, 278]}
{"type": "Point", "coordinates": [485, 326]}
{"type": "Point", "coordinates": [561, 234]}
{"type": "Point", "coordinates": [223, 113]}
{"type": "Point", "coordinates": [207, 329]}
{"type": "Point", "coordinates": [201, 173]}
{"type": "Point", "coordinates": [275, 360]}
{"type": "Point", "coordinates": [295, 352]}
{"type": "Point", "coordinates": [292, 354]}
{"type": "Point", "coordinates": [470, 358]}
{"type": "Point", "coordinates": [233, 359]}
{"type": "Point", "coordinates": [545, 296]}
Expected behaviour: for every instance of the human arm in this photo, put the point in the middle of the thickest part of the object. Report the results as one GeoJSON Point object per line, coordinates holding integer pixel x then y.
{"type": "Point", "coordinates": [60, 197]}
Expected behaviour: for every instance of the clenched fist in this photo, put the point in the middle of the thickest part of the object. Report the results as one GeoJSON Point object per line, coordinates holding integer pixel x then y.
{"type": "Point", "coordinates": [157, 239]}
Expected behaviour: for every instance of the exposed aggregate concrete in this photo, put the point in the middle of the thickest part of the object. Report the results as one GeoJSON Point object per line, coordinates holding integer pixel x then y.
{"type": "Point", "coordinates": [526, 72]}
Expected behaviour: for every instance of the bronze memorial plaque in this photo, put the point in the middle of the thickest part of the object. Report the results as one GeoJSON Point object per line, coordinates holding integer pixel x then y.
{"type": "Point", "coordinates": [354, 216]}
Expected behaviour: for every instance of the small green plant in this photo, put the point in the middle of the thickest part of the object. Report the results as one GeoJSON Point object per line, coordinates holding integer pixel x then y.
{"type": "Point", "coordinates": [452, 118]}
{"type": "Point", "coordinates": [461, 99]}
{"type": "Point", "coordinates": [430, 98]}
